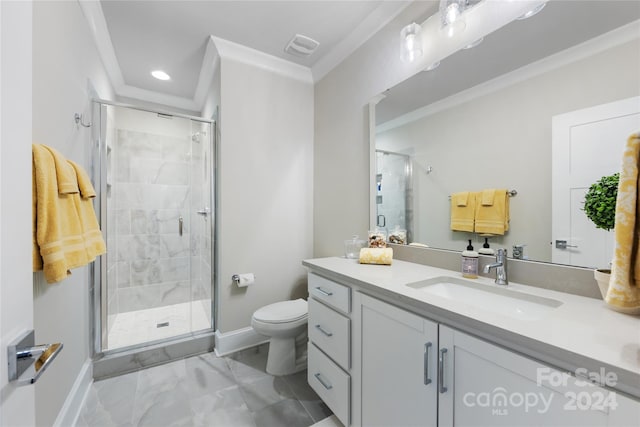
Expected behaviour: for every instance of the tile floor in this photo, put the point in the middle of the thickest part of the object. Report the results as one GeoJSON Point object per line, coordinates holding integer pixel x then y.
{"type": "Point", "coordinates": [136, 327]}
{"type": "Point", "coordinates": [205, 390]}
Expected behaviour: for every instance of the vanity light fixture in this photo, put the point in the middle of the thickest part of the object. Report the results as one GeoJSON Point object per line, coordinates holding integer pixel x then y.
{"type": "Point", "coordinates": [433, 66]}
{"type": "Point", "coordinates": [411, 47]}
{"type": "Point", "coordinates": [451, 16]}
{"type": "Point", "coordinates": [532, 12]}
{"type": "Point", "coordinates": [160, 75]}
{"type": "Point", "coordinates": [474, 43]}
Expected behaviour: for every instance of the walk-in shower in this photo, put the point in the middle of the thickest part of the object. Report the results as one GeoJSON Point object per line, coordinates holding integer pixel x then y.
{"type": "Point", "coordinates": [155, 176]}
{"type": "Point", "coordinates": [394, 191]}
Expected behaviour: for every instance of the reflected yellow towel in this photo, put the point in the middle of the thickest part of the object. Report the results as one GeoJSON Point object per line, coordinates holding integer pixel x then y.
{"type": "Point", "coordinates": [382, 256]}
{"type": "Point", "coordinates": [488, 197]}
{"type": "Point", "coordinates": [84, 204]}
{"type": "Point", "coordinates": [624, 291]}
{"type": "Point", "coordinates": [60, 241]}
{"type": "Point", "coordinates": [494, 218]}
{"type": "Point", "coordinates": [462, 215]}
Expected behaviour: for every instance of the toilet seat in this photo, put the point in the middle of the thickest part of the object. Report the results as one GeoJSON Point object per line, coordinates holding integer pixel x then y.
{"type": "Point", "coordinates": [282, 312]}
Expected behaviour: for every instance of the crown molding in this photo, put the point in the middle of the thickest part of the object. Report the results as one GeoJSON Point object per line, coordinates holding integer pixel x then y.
{"type": "Point", "coordinates": [230, 50]}
{"type": "Point", "coordinates": [208, 69]}
{"type": "Point", "coordinates": [98, 25]}
{"type": "Point", "coordinates": [581, 51]}
{"type": "Point", "coordinates": [374, 22]}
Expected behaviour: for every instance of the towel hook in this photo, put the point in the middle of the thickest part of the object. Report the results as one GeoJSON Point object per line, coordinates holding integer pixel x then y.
{"type": "Point", "coordinates": [79, 121]}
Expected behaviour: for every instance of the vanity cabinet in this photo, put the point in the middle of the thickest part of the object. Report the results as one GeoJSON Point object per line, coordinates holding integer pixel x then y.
{"type": "Point", "coordinates": [398, 366]}
{"type": "Point", "coordinates": [378, 364]}
{"type": "Point", "coordinates": [415, 372]}
{"type": "Point", "coordinates": [330, 344]}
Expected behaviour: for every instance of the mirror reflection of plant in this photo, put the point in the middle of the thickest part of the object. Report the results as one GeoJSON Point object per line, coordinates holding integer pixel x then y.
{"type": "Point", "coordinates": [600, 201]}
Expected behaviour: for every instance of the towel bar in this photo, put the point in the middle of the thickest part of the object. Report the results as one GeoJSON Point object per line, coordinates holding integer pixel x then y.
{"type": "Point", "coordinates": [510, 193]}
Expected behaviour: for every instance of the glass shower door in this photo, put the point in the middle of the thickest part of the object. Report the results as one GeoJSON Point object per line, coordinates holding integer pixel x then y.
{"type": "Point", "coordinates": [156, 212]}
{"type": "Point", "coordinates": [394, 194]}
{"type": "Point", "coordinates": [202, 221]}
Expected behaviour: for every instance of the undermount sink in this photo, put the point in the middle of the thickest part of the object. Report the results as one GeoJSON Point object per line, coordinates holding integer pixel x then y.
{"type": "Point", "coordinates": [493, 298]}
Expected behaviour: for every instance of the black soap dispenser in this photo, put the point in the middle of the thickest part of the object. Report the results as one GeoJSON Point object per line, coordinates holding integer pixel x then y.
{"type": "Point", "coordinates": [486, 250]}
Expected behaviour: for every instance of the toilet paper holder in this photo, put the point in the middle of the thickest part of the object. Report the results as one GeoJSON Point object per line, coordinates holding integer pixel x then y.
{"type": "Point", "coordinates": [243, 280]}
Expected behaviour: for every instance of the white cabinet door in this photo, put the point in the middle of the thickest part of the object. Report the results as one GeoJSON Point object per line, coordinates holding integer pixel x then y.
{"type": "Point", "coordinates": [398, 366]}
{"type": "Point", "coordinates": [490, 386]}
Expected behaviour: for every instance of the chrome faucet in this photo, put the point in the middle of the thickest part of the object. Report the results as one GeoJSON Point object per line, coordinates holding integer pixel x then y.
{"type": "Point", "coordinates": [501, 267]}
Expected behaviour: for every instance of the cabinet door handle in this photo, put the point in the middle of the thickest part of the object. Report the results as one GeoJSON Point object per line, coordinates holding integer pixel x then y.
{"type": "Point", "coordinates": [324, 331]}
{"type": "Point", "coordinates": [443, 388]}
{"type": "Point", "coordinates": [427, 350]}
{"type": "Point", "coordinates": [324, 383]}
{"type": "Point", "coordinates": [323, 292]}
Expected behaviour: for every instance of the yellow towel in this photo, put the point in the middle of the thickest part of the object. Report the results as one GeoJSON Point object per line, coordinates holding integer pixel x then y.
{"type": "Point", "coordinates": [624, 291]}
{"type": "Point", "coordinates": [462, 215]}
{"type": "Point", "coordinates": [65, 176]}
{"type": "Point", "coordinates": [494, 218]}
{"type": "Point", "coordinates": [382, 256]}
{"type": "Point", "coordinates": [59, 241]}
{"type": "Point", "coordinates": [488, 196]}
{"type": "Point", "coordinates": [91, 229]}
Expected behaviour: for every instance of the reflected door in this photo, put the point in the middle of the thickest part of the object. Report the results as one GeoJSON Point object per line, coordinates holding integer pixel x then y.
{"type": "Point", "coordinates": [587, 145]}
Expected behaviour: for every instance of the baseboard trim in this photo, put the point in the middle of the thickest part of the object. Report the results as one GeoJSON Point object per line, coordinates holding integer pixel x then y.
{"type": "Point", "coordinates": [70, 411]}
{"type": "Point", "coordinates": [230, 342]}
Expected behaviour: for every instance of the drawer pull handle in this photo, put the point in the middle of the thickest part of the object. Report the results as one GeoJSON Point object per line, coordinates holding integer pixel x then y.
{"type": "Point", "coordinates": [321, 329]}
{"type": "Point", "coordinates": [325, 384]}
{"type": "Point", "coordinates": [443, 388]}
{"type": "Point", "coordinates": [323, 292]}
{"type": "Point", "coordinates": [427, 350]}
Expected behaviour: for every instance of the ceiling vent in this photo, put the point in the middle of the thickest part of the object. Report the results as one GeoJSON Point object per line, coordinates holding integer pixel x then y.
{"type": "Point", "coordinates": [301, 45]}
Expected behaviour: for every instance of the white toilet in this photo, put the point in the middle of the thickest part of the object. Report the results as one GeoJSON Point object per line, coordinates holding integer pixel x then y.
{"type": "Point", "coordinates": [286, 324]}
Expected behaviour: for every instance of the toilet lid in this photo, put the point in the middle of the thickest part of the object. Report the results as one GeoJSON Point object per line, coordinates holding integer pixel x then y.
{"type": "Point", "coordinates": [282, 312]}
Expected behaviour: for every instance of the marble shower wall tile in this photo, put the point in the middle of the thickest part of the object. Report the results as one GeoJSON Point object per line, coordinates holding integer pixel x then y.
{"type": "Point", "coordinates": [150, 247]}
{"type": "Point", "coordinates": [151, 296]}
{"type": "Point", "coordinates": [159, 171]}
{"type": "Point", "coordinates": [152, 196]}
{"type": "Point", "coordinates": [145, 272]}
{"type": "Point", "coordinates": [158, 221]}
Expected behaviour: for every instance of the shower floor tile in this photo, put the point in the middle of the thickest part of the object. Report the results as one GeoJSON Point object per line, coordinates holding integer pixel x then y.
{"type": "Point", "coordinates": [205, 390]}
{"type": "Point", "coordinates": [136, 327]}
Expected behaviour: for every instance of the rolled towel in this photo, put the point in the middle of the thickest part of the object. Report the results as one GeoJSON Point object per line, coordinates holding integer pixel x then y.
{"type": "Point", "coordinates": [381, 256]}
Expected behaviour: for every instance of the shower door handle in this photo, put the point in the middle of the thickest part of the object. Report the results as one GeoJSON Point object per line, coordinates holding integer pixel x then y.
{"type": "Point", "coordinates": [180, 225]}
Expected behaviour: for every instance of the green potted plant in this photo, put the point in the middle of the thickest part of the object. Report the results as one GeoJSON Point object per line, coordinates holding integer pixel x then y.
{"type": "Point", "coordinates": [600, 208]}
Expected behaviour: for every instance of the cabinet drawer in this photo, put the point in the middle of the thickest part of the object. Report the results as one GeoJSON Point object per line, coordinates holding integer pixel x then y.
{"type": "Point", "coordinates": [330, 382]}
{"type": "Point", "coordinates": [330, 331]}
{"type": "Point", "coordinates": [330, 292]}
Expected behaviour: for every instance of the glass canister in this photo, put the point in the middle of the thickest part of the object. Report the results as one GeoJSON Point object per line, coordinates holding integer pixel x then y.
{"type": "Point", "coordinates": [398, 236]}
{"type": "Point", "coordinates": [352, 247]}
{"type": "Point", "coordinates": [378, 238]}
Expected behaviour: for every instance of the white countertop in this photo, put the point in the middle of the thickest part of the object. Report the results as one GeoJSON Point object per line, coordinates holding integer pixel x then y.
{"type": "Point", "coordinates": [581, 333]}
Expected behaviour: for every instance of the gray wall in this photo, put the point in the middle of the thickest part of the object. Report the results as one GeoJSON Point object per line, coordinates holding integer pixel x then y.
{"type": "Point", "coordinates": [64, 61]}
{"type": "Point", "coordinates": [265, 211]}
{"type": "Point", "coordinates": [341, 128]}
{"type": "Point", "coordinates": [487, 143]}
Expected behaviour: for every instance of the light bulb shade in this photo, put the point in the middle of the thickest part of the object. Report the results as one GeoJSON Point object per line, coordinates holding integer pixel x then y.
{"type": "Point", "coordinates": [451, 18]}
{"type": "Point", "coordinates": [411, 42]}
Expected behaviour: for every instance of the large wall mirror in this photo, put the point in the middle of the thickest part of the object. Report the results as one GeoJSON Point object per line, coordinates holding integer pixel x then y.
{"type": "Point", "coordinates": [536, 101]}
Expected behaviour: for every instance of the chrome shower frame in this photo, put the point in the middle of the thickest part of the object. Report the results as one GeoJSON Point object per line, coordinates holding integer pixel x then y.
{"type": "Point", "coordinates": [98, 269]}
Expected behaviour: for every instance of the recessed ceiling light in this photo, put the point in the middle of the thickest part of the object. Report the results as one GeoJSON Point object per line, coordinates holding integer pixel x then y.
{"type": "Point", "coordinates": [160, 75]}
